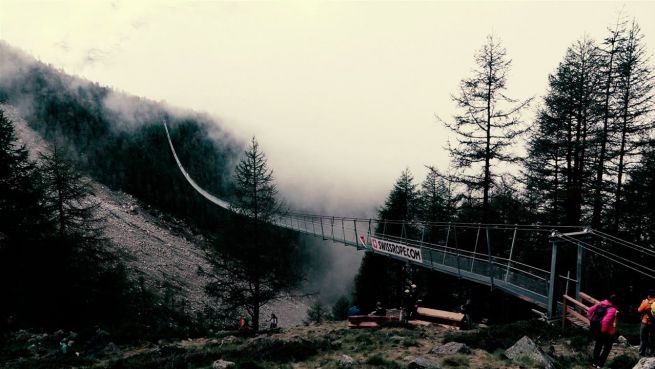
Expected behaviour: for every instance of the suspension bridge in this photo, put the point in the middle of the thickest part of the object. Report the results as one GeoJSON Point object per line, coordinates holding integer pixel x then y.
{"type": "Point", "coordinates": [491, 254]}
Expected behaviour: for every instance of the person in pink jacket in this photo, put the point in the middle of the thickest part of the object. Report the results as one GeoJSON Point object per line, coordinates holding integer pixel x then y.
{"type": "Point", "coordinates": [606, 311]}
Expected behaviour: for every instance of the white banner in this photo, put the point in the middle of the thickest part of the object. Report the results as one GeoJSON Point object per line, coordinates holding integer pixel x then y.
{"type": "Point", "coordinates": [396, 249]}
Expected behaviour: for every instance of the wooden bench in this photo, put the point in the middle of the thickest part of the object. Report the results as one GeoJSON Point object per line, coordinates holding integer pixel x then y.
{"type": "Point", "coordinates": [368, 321]}
{"type": "Point", "coordinates": [441, 317]}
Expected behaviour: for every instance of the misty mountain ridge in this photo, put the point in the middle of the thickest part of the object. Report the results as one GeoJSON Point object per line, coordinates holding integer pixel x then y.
{"type": "Point", "coordinates": [119, 139]}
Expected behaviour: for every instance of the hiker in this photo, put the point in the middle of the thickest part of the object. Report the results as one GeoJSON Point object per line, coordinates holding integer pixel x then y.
{"type": "Point", "coordinates": [647, 327]}
{"type": "Point", "coordinates": [602, 320]}
{"type": "Point", "coordinates": [354, 311]}
{"type": "Point", "coordinates": [273, 321]}
{"type": "Point", "coordinates": [465, 308]}
{"type": "Point", "coordinates": [243, 325]}
{"type": "Point", "coordinates": [379, 310]}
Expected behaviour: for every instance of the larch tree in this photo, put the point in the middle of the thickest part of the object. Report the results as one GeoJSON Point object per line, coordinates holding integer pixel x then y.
{"type": "Point", "coordinates": [489, 121]}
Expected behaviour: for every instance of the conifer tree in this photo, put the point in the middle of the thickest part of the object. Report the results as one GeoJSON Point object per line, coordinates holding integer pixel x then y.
{"type": "Point", "coordinates": [69, 199]}
{"type": "Point", "coordinates": [489, 122]}
{"type": "Point", "coordinates": [21, 214]}
{"type": "Point", "coordinates": [400, 209]}
{"type": "Point", "coordinates": [255, 261]}
{"type": "Point", "coordinates": [635, 86]}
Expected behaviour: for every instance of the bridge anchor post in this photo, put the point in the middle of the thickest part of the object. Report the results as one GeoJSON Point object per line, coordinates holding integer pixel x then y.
{"type": "Point", "coordinates": [551, 284]}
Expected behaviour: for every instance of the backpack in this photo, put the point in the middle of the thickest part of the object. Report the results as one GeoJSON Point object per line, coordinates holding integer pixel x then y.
{"type": "Point", "coordinates": [650, 312]}
{"type": "Point", "coordinates": [597, 318]}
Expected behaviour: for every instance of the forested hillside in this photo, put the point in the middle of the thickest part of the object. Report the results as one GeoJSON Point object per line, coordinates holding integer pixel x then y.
{"type": "Point", "coordinates": [119, 139]}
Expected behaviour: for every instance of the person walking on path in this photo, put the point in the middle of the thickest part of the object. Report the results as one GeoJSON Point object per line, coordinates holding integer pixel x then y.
{"type": "Point", "coordinates": [602, 318]}
{"type": "Point", "coordinates": [647, 328]}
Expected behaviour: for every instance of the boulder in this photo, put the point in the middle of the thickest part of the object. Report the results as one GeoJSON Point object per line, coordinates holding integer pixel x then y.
{"type": "Point", "coordinates": [623, 342]}
{"type": "Point", "coordinates": [645, 363]}
{"type": "Point", "coordinates": [346, 361]}
{"type": "Point", "coordinates": [451, 348]}
{"type": "Point", "coordinates": [223, 364]}
{"type": "Point", "coordinates": [422, 363]}
{"type": "Point", "coordinates": [526, 348]}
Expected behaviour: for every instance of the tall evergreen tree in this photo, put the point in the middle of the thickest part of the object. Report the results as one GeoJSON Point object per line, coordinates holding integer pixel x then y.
{"type": "Point", "coordinates": [607, 60]}
{"type": "Point", "coordinates": [489, 122]}
{"type": "Point", "coordinates": [560, 149]}
{"type": "Point", "coordinates": [402, 204]}
{"type": "Point", "coordinates": [635, 86]}
{"type": "Point", "coordinates": [21, 214]}
{"type": "Point", "coordinates": [69, 198]}
{"type": "Point", "coordinates": [255, 261]}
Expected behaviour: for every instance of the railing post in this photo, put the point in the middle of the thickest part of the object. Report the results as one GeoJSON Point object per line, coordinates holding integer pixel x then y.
{"type": "Point", "coordinates": [491, 264]}
{"type": "Point", "coordinates": [551, 285]}
{"type": "Point", "coordinates": [370, 234]}
{"type": "Point", "coordinates": [565, 310]}
{"type": "Point", "coordinates": [511, 251]}
{"type": "Point", "coordinates": [322, 230]}
{"type": "Point", "coordinates": [443, 261]}
{"type": "Point", "coordinates": [356, 237]}
{"type": "Point", "coordinates": [343, 229]}
{"type": "Point", "coordinates": [578, 272]}
{"type": "Point", "coordinates": [332, 230]}
{"type": "Point", "coordinates": [475, 248]}
{"type": "Point", "coordinates": [459, 272]}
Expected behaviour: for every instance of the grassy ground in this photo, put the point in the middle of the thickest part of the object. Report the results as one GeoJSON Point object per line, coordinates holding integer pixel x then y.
{"type": "Point", "coordinates": [323, 346]}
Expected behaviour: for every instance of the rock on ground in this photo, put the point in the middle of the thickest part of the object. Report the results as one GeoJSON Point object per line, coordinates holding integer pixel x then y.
{"type": "Point", "coordinates": [525, 347]}
{"type": "Point", "coordinates": [422, 363]}
{"type": "Point", "coordinates": [451, 348]}
{"type": "Point", "coordinates": [223, 364]}
{"type": "Point", "coordinates": [645, 363]}
{"type": "Point", "coordinates": [346, 361]}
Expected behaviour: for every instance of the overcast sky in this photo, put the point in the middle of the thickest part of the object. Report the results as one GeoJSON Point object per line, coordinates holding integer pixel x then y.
{"type": "Point", "coordinates": [341, 96]}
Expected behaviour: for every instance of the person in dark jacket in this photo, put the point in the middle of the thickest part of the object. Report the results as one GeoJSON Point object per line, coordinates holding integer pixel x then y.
{"type": "Point", "coordinates": [605, 335]}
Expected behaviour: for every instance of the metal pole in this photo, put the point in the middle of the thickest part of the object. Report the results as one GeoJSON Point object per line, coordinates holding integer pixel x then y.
{"type": "Point", "coordinates": [475, 248]}
{"type": "Point", "coordinates": [491, 265]}
{"type": "Point", "coordinates": [459, 272]}
{"type": "Point", "coordinates": [343, 229]}
{"type": "Point", "coordinates": [551, 285]}
{"type": "Point", "coordinates": [369, 232]}
{"type": "Point", "coordinates": [511, 251]}
{"type": "Point", "coordinates": [568, 278]}
{"type": "Point", "coordinates": [356, 237]}
{"type": "Point", "coordinates": [443, 261]}
{"type": "Point", "coordinates": [322, 230]}
{"type": "Point", "coordinates": [578, 272]}
{"type": "Point", "coordinates": [332, 229]}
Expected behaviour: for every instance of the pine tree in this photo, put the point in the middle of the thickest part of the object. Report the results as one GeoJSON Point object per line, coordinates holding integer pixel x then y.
{"type": "Point", "coordinates": [489, 122]}
{"type": "Point", "coordinates": [400, 209]}
{"type": "Point", "coordinates": [69, 199]}
{"type": "Point", "coordinates": [560, 149]}
{"type": "Point", "coordinates": [21, 214]}
{"type": "Point", "coordinates": [635, 86]}
{"type": "Point", "coordinates": [255, 261]}
{"type": "Point", "coordinates": [609, 51]}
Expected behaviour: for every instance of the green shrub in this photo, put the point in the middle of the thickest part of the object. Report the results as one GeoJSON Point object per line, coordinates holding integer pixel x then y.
{"type": "Point", "coordinates": [340, 309]}
{"type": "Point", "coordinates": [457, 360]}
{"type": "Point", "coordinates": [379, 362]}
